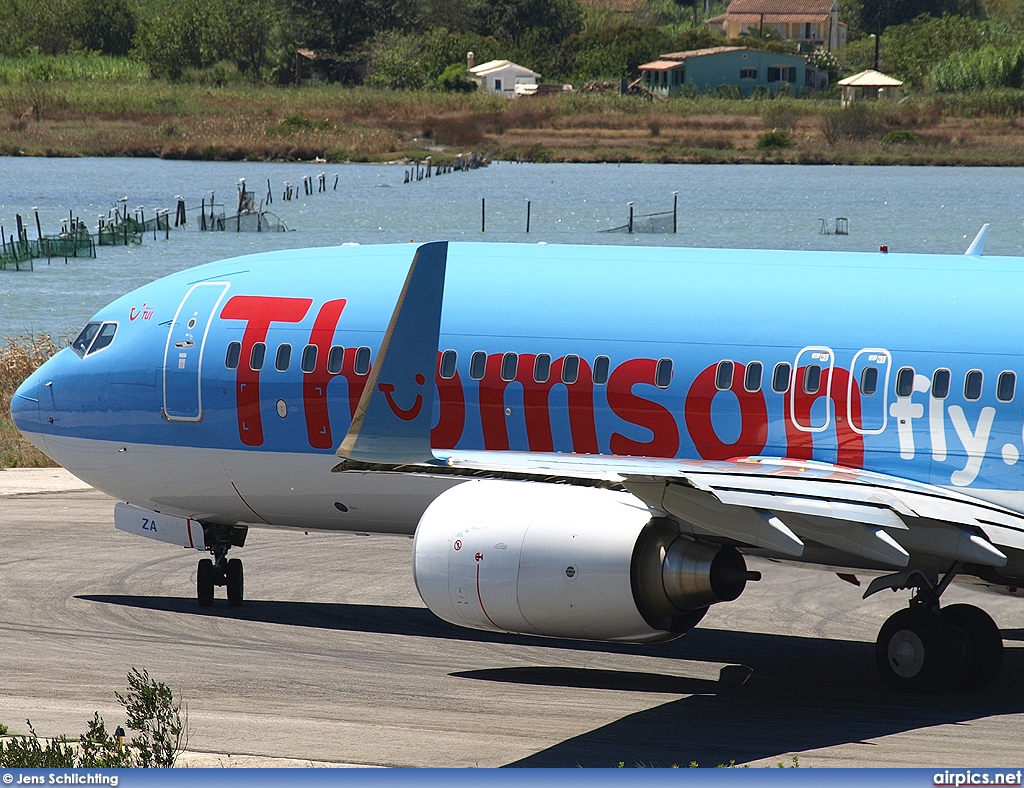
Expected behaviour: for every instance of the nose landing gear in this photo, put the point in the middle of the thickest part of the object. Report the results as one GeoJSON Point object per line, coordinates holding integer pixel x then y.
{"type": "Point", "coordinates": [925, 648]}
{"type": "Point", "coordinates": [220, 570]}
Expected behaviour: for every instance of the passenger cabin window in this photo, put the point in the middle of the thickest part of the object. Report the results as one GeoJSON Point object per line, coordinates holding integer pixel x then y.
{"type": "Point", "coordinates": [812, 379]}
{"type": "Point", "coordinates": [1005, 386]}
{"type": "Point", "coordinates": [972, 385]}
{"type": "Point", "coordinates": [308, 363]}
{"type": "Point", "coordinates": [940, 384]}
{"type": "Point", "coordinates": [284, 358]}
{"type": "Point", "coordinates": [570, 369]}
{"type": "Point", "coordinates": [449, 362]}
{"type": "Point", "coordinates": [94, 337]}
{"type": "Point", "coordinates": [780, 378]}
{"type": "Point", "coordinates": [663, 373]}
{"type": "Point", "coordinates": [752, 377]}
{"type": "Point", "coordinates": [905, 382]}
{"type": "Point", "coordinates": [258, 356]}
{"type": "Point", "coordinates": [869, 381]}
{"type": "Point", "coordinates": [335, 360]}
{"type": "Point", "coordinates": [601, 366]}
{"type": "Point", "coordinates": [542, 368]}
{"type": "Point", "coordinates": [723, 375]}
{"type": "Point", "coordinates": [509, 366]}
{"type": "Point", "coordinates": [477, 365]}
{"type": "Point", "coordinates": [232, 356]}
{"type": "Point", "coordinates": [362, 363]}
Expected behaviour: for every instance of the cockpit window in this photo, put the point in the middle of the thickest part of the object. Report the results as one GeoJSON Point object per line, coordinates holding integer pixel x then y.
{"type": "Point", "coordinates": [104, 338]}
{"type": "Point", "coordinates": [82, 342]}
{"type": "Point", "coordinates": [94, 337]}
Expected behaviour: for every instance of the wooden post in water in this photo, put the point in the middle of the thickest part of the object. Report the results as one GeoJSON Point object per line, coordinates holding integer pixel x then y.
{"type": "Point", "coordinates": [527, 216]}
{"type": "Point", "coordinates": [630, 225]}
{"type": "Point", "coordinates": [483, 214]}
{"type": "Point", "coordinates": [675, 210]}
{"type": "Point", "coordinates": [202, 215]}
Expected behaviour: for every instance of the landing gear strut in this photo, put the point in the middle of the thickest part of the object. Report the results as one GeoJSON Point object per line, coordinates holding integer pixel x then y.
{"type": "Point", "coordinates": [220, 570]}
{"type": "Point", "coordinates": [924, 648]}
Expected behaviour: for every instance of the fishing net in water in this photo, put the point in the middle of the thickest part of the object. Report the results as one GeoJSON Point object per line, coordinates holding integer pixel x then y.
{"type": "Point", "coordinates": [661, 222]}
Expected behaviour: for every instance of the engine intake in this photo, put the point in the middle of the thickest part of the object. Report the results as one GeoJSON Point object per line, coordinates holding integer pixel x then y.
{"type": "Point", "coordinates": [569, 562]}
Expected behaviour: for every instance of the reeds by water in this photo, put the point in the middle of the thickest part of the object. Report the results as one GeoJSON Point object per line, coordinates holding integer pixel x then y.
{"type": "Point", "coordinates": [19, 357]}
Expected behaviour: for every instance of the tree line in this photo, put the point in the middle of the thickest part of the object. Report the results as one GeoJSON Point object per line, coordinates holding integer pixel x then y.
{"type": "Point", "coordinates": [413, 44]}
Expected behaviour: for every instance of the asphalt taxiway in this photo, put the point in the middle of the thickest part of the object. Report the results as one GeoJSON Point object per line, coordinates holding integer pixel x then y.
{"type": "Point", "coordinates": [334, 659]}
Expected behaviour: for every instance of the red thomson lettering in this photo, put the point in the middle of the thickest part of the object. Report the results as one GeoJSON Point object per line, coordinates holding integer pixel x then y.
{"type": "Point", "coordinates": [451, 419]}
{"type": "Point", "coordinates": [536, 402]}
{"type": "Point", "coordinates": [258, 312]}
{"type": "Point", "coordinates": [753, 417]}
{"type": "Point", "coordinates": [642, 412]}
{"type": "Point", "coordinates": [849, 442]}
{"type": "Point", "coordinates": [314, 384]}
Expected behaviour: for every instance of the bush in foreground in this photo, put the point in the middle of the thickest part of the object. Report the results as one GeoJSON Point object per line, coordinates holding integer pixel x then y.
{"type": "Point", "coordinates": [160, 724]}
{"type": "Point", "coordinates": [774, 139]}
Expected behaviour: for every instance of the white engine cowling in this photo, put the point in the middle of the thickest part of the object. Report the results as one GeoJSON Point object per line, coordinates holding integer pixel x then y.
{"type": "Point", "coordinates": [569, 562]}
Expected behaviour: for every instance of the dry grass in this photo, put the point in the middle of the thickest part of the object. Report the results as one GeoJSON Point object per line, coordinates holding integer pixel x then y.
{"type": "Point", "coordinates": [18, 359]}
{"type": "Point", "coordinates": [343, 124]}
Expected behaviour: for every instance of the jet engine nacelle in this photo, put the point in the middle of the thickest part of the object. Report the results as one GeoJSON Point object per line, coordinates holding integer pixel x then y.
{"type": "Point", "coordinates": [569, 562]}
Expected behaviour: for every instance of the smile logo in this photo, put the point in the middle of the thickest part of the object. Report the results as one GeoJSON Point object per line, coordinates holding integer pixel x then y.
{"type": "Point", "coordinates": [405, 415]}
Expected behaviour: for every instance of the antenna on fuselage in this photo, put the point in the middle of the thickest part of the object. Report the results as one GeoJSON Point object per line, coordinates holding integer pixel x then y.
{"type": "Point", "coordinates": [977, 247]}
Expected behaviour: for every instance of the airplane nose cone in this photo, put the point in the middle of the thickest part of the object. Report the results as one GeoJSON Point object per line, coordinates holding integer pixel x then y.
{"type": "Point", "coordinates": [25, 407]}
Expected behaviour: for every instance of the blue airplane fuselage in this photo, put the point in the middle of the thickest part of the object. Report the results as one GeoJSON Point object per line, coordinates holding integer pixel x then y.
{"type": "Point", "coordinates": [902, 364]}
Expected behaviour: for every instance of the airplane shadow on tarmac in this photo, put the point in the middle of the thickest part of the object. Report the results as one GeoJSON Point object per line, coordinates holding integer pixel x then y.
{"type": "Point", "coordinates": [792, 694]}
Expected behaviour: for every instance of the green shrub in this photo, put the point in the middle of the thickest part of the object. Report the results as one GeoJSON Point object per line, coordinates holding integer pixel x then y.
{"type": "Point", "coordinates": [901, 137]}
{"type": "Point", "coordinates": [776, 138]}
{"type": "Point", "coordinates": [152, 712]}
{"type": "Point", "coordinates": [987, 68]}
{"type": "Point", "coordinates": [454, 80]}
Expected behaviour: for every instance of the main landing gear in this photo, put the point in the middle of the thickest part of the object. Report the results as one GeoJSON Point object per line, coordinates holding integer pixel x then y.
{"type": "Point", "coordinates": [220, 570]}
{"type": "Point", "coordinates": [925, 648]}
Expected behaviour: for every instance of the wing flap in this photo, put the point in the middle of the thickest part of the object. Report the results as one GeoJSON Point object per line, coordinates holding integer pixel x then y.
{"type": "Point", "coordinates": [865, 541]}
{"type": "Point", "coordinates": [752, 526]}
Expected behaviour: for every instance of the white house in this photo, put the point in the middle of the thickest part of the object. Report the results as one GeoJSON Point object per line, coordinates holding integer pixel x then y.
{"type": "Point", "coordinates": [502, 76]}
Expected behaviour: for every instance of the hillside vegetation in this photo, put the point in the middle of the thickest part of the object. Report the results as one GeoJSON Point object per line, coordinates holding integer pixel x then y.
{"type": "Point", "coordinates": [385, 80]}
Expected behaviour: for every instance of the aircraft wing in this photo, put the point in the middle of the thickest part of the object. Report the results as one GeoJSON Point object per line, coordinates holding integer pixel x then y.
{"type": "Point", "coordinates": [770, 503]}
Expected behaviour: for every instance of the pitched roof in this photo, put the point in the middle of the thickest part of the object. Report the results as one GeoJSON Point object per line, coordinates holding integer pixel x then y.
{"type": "Point", "coordinates": [677, 56]}
{"type": "Point", "coordinates": [660, 65]}
{"type": "Point", "coordinates": [870, 79]}
{"type": "Point", "coordinates": [801, 7]}
{"type": "Point", "coordinates": [497, 65]}
{"type": "Point", "coordinates": [773, 17]}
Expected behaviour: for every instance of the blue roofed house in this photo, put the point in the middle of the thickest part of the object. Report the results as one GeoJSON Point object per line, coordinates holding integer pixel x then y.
{"type": "Point", "coordinates": [709, 69]}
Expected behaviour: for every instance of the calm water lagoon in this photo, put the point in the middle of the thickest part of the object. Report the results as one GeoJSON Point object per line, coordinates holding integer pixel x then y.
{"type": "Point", "coordinates": [911, 209]}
